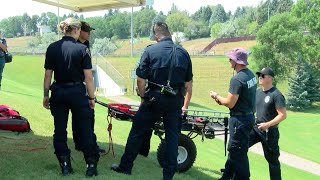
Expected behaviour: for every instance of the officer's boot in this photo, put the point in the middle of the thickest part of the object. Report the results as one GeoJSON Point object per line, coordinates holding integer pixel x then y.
{"type": "Point", "coordinates": [65, 165]}
{"type": "Point", "coordinates": [91, 167]}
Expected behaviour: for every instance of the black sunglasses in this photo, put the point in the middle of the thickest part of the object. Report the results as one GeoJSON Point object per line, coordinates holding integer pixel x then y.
{"type": "Point", "coordinates": [261, 75]}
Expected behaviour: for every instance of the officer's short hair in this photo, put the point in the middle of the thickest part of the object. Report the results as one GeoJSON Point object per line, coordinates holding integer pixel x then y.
{"type": "Point", "coordinates": [69, 24]}
{"type": "Point", "coordinates": [161, 28]}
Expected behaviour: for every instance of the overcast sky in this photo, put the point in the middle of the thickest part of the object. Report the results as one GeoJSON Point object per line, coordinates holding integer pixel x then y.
{"type": "Point", "coordinates": [18, 7]}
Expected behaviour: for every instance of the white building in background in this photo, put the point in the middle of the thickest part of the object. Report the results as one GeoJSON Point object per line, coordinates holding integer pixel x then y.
{"type": "Point", "coordinates": [44, 29]}
{"type": "Point", "coordinates": [104, 84]}
{"type": "Point", "coordinates": [178, 36]}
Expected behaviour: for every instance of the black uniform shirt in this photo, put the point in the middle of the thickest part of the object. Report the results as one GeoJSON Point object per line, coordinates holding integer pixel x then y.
{"type": "Point", "coordinates": [68, 58]}
{"type": "Point", "coordinates": [244, 83]}
{"type": "Point", "coordinates": [85, 43]}
{"type": "Point", "coordinates": [156, 60]}
{"type": "Point", "coordinates": [267, 103]}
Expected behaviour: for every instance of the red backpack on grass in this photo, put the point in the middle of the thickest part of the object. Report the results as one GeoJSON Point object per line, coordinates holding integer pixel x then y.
{"type": "Point", "coordinates": [11, 120]}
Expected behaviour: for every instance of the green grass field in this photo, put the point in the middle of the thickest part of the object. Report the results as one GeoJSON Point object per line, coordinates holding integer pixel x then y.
{"type": "Point", "coordinates": [22, 90]}
{"type": "Point", "coordinates": [214, 74]}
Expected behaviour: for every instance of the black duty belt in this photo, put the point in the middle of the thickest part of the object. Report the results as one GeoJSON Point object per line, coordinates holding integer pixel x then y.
{"type": "Point", "coordinates": [69, 83]}
{"type": "Point", "coordinates": [177, 91]}
{"type": "Point", "coordinates": [240, 113]}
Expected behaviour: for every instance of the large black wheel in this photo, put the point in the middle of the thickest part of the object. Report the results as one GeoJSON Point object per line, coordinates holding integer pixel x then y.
{"type": "Point", "coordinates": [187, 153]}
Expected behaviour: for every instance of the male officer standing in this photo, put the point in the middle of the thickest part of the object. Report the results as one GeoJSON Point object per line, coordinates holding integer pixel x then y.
{"type": "Point", "coordinates": [84, 39]}
{"type": "Point", "coordinates": [241, 102]}
{"type": "Point", "coordinates": [161, 64]}
{"type": "Point", "coordinates": [271, 110]}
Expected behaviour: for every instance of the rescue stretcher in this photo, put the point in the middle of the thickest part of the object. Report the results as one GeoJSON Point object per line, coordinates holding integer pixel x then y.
{"type": "Point", "coordinates": [205, 123]}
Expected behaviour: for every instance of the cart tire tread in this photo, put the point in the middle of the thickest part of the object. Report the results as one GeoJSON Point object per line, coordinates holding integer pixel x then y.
{"type": "Point", "coordinates": [185, 142]}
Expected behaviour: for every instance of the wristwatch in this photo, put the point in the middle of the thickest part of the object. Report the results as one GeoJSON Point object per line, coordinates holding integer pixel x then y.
{"type": "Point", "coordinates": [90, 98]}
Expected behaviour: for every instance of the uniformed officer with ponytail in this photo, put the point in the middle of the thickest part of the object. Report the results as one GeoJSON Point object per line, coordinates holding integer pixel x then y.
{"type": "Point", "coordinates": [73, 90]}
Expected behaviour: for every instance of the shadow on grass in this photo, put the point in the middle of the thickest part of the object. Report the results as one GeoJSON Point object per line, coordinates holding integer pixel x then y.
{"type": "Point", "coordinates": [198, 106]}
{"type": "Point", "coordinates": [12, 92]}
{"type": "Point", "coordinates": [314, 109]}
{"type": "Point", "coordinates": [32, 157]}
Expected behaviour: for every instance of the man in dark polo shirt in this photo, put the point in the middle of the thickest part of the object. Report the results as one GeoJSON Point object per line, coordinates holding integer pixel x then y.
{"type": "Point", "coordinates": [162, 64]}
{"type": "Point", "coordinates": [84, 39]}
{"type": "Point", "coordinates": [241, 102]}
{"type": "Point", "coordinates": [271, 110]}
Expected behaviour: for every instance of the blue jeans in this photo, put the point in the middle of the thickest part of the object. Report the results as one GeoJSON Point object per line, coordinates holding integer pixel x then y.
{"type": "Point", "coordinates": [2, 63]}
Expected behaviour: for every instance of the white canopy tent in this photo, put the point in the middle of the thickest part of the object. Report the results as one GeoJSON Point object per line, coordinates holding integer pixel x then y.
{"type": "Point", "coordinates": [92, 5]}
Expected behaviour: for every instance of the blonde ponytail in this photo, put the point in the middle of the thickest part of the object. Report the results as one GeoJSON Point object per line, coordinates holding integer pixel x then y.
{"type": "Point", "coordinates": [69, 24]}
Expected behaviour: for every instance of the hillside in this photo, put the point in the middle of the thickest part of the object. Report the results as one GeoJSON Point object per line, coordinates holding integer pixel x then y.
{"type": "Point", "coordinates": [194, 47]}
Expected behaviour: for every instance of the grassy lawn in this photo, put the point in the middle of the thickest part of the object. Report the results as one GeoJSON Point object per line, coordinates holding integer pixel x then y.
{"type": "Point", "coordinates": [214, 74]}
{"type": "Point", "coordinates": [22, 90]}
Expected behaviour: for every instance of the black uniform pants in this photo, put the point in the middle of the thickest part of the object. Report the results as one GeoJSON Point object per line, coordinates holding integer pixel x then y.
{"type": "Point", "coordinates": [237, 165]}
{"type": "Point", "coordinates": [270, 147]}
{"type": "Point", "coordinates": [63, 99]}
{"type": "Point", "coordinates": [75, 130]}
{"type": "Point", "coordinates": [170, 109]}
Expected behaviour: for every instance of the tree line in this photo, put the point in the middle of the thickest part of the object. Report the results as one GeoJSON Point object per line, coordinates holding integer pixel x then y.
{"type": "Point", "coordinates": [207, 21]}
{"type": "Point", "coordinates": [289, 43]}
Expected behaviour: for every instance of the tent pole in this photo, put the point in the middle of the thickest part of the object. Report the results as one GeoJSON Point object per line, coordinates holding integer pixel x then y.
{"type": "Point", "coordinates": [131, 31]}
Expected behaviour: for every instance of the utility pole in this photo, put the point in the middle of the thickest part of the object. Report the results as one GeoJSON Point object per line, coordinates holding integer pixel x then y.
{"type": "Point", "coordinates": [58, 21]}
{"type": "Point", "coordinates": [131, 31]}
{"type": "Point", "coordinates": [269, 9]}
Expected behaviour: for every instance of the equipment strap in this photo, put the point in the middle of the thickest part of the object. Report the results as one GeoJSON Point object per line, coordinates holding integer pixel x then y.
{"type": "Point", "coordinates": [173, 59]}
{"type": "Point", "coordinates": [172, 62]}
{"type": "Point", "coordinates": [109, 129]}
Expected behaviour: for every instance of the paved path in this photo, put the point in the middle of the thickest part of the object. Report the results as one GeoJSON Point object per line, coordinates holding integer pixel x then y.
{"type": "Point", "coordinates": [292, 160]}
{"type": "Point", "coordinates": [285, 158]}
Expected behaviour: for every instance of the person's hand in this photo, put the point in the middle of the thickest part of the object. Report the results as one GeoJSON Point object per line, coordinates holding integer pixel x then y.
{"type": "Point", "coordinates": [184, 110]}
{"type": "Point", "coordinates": [213, 94]}
{"type": "Point", "coordinates": [45, 102]}
{"type": "Point", "coordinates": [92, 103]}
{"type": "Point", "coordinates": [142, 101]}
{"type": "Point", "coordinates": [263, 126]}
{"type": "Point", "coordinates": [217, 101]}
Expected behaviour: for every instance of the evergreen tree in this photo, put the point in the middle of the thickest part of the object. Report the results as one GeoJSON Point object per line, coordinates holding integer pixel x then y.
{"type": "Point", "coordinates": [297, 94]}
{"type": "Point", "coordinates": [313, 86]}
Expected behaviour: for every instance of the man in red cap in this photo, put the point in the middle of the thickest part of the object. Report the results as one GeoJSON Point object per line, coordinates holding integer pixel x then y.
{"type": "Point", "coordinates": [271, 110]}
{"type": "Point", "coordinates": [84, 39]}
{"type": "Point", "coordinates": [241, 102]}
